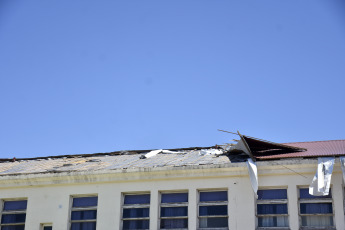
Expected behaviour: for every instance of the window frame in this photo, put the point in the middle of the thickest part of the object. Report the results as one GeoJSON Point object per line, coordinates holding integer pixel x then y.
{"type": "Point", "coordinates": [212, 203]}
{"type": "Point", "coordinates": [86, 208]}
{"type": "Point", "coordinates": [123, 206]}
{"type": "Point", "coordinates": [172, 204]}
{"type": "Point", "coordinates": [315, 200]}
{"type": "Point", "coordinates": [46, 225]}
{"type": "Point", "coordinates": [19, 211]}
{"type": "Point", "coordinates": [272, 201]}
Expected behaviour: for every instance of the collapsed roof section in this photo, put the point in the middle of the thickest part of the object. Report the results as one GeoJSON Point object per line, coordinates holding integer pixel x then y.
{"type": "Point", "coordinates": [256, 148]}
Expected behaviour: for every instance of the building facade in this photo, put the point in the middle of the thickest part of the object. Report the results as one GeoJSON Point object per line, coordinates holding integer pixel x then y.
{"type": "Point", "coordinates": [194, 188]}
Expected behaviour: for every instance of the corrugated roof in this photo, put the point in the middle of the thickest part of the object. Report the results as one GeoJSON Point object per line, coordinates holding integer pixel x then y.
{"type": "Point", "coordinates": [109, 162]}
{"type": "Point", "coordinates": [133, 159]}
{"type": "Point", "coordinates": [314, 149]}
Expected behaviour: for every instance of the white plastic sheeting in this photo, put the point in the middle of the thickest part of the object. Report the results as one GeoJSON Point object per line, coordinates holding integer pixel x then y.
{"type": "Point", "coordinates": [253, 175]}
{"type": "Point", "coordinates": [342, 163]}
{"type": "Point", "coordinates": [322, 179]}
{"type": "Point", "coordinates": [155, 152]}
{"type": "Point", "coordinates": [210, 152]}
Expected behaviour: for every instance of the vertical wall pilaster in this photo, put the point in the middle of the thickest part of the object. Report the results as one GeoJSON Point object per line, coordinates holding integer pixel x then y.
{"type": "Point", "coordinates": [154, 205]}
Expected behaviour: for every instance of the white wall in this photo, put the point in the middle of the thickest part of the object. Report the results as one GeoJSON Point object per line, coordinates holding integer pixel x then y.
{"type": "Point", "coordinates": [51, 203]}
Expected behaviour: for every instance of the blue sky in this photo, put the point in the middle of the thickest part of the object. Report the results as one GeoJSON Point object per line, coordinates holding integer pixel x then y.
{"type": "Point", "coordinates": [86, 76]}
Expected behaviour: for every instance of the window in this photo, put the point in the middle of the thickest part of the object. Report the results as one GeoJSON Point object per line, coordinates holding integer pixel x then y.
{"type": "Point", "coordinates": [174, 211]}
{"type": "Point", "coordinates": [47, 227]}
{"type": "Point", "coordinates": [271, 208]}
{"type": "Point", "coordinates": [315, 211]}
{"type": "Point", "coordinates": [13, 215]}
{"type": "Point", "coordinates": [84, 213]}
{"type": "Point", "coordinates": [136, 211]}
{"type": "Point", "coordinates": [213, 210]}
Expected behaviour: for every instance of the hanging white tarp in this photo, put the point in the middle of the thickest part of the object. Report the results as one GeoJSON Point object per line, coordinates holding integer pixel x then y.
{"type": "Point", "coordinates": [342, 163]}
{"type": "Point", "coordinates": [322, 179]}
{"type": "Point", "coordinates": [253, 175]}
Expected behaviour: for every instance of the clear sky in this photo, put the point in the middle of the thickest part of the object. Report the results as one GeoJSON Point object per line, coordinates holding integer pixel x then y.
{"type": "Point", "coordinates": [82, 76]}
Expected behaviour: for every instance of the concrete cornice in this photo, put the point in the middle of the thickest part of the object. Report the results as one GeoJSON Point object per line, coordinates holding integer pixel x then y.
{"type": "Point", "coordinates": [265, 168]}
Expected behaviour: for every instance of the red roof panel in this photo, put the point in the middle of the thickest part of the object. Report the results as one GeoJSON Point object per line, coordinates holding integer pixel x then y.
{"type": "Point", "coordinates": [314, 149]}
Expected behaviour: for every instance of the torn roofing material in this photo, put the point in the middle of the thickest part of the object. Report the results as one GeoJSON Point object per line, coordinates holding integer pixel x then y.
{"type": "Point", "coordinates": [257, 148]}
{"type": "Point", "coordinates": [110, 162]}
{"type": "Point", "coordinates": [266, 150]}
{"type": "Point", "coordinates": [196, 156]}
{"type": "Point", "coordinates": [313, 149]}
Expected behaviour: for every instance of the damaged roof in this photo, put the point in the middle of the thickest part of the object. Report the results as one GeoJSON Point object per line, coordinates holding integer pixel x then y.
{"type": "Point", "coordinates": [313, 149]}
{"type": "Point", "coordinates": [216, 155]}
{"type": "Point", "coordinates": [110, 162]}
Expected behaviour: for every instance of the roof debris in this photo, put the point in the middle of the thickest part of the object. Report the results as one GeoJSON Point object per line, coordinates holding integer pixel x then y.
{"type": "Point", "coordinates": [211, 152]}
{"type": "Point", "coordinates": [244, 148]}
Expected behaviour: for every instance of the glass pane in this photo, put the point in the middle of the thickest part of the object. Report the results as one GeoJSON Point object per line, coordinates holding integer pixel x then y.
{"type": "Point", "coordinates": [218, 210]}
{"type": "Point", "coordinates": [314, 208]}
{"type": "Point", "coordinates": [13, 227]}
{"type": "Point", "coordinates": [174, 211]}
{"type": "Point", "coordinates": [85, 201]}
{"type": "Point", "coordinates": [136, 224]}
{"type": "Point", "coordinates": [272, 209]}
{"type": "Point", "coordinates": [48, 228]}
{"type": "Point", "coordinates": [217, 222]}
{"type": "Point", "coordinates": [214, 196]}
{"type": "Point", "coordinates": [84, 215]}
{"type": "Point", "coordinates": [136, 212]}
{"type": "Point", "coordinates": [274, 221]}
{"type": "Point", "coordinates": [13, 218]}
{"type": "Point", "coordinates": [304, 194]}
{"type": "Point", "coordinates": [137, 199]}
{"type": "Point", "coordinates": [174, 197]}
{"type": "Point", "coordinates": [15, 205]}
{"type": "Point", "coordinates": [317, 221]}
{"type": "Point", "coordinates": [83, 226]}
{"type": "Point", "coordinates": [272, 194]}
{"type": "Point", "coordinates": [174, 223]}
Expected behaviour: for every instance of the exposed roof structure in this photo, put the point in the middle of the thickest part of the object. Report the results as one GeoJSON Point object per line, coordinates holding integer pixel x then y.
{"type": "Point", "coordinates": [313, 149]}
{"type": "Point", "coordinates": [216, 155]}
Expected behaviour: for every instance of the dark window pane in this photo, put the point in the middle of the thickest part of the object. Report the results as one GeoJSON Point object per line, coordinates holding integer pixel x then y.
{"type": "Point", "coordinates": [216, 222]}
{"type": "Point", "coordinates": [174, 211]}
{"type": "Point", "coordinates": [214, 196]}
{"type": "Point", "coordinates": [213, 210]}
{"type": "Point", "coordinates": [272, 209]}
{"type": "Point", "coordinates": [136, 212]}
{"type": "Point", "coordinates": [48, 228]}
{"type": "Point", "coordinates": [174, 197]}
{"type": "Point", "coordinates": [15, 205]}
{"type": "Point", "coordinates": [135, 224]}
{"type": "Point", "coordinates": [13, 227]}
{"type": "Point", "coordinates": [137, 199]}
{"type": "Point", "coordinates": [304, 194]}
{"type": "Point", "coordinates": [272, 194]}
{"type": "Point", "coordinates": [13, 218]}
{"type": "Point", "coordinates": [83, 226]}
{"type": "Point", "coordinates": [84, 215]}
{"type": "Point", "coordinates": [314, 208]}
{"type": "Point", "coordinates": [174, 223]}
{"type": "Point", "coordinates": [85, 201]}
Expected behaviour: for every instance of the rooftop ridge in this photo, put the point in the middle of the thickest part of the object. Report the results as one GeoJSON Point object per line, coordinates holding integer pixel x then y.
{"type": "Point", "coordinates": [311, 141]}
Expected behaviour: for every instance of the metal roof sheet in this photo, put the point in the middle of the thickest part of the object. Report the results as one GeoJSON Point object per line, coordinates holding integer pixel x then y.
{"type": "Point", "coordinates": [314, 149]}
{"type": "Point", "coordinates": [94, 163]}
{"type": "Point", "coordinates": [133, 159]}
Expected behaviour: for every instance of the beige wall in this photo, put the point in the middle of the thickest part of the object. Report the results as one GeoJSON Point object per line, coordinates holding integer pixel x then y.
{"type": "Point", "coordinates": [50, 203]}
